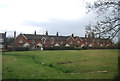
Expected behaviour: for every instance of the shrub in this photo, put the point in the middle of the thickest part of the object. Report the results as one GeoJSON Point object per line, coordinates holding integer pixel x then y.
{"type": "Point", "coordinates": [18, 49]}
{"type": "Point", "coordinates": [61, 48]}
{"type": "Point", "coordinates": [77, 48]}
{"type": "Point", "coordinates": [22, 49]}
{"type": "Point", "coordinates": [10, 49]}
{"type": "Point", "coordinates": [103, 47]}
{"type": "Point", "coordinates": [84, 47]}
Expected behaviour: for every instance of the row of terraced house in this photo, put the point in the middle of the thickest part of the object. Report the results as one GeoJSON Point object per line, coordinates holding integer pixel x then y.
{"type": "Point", "coordinates": [37, 41]}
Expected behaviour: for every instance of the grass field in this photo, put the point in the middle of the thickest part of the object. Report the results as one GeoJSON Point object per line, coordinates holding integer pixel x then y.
{"type": "Point", "coordinates": [60, 64]}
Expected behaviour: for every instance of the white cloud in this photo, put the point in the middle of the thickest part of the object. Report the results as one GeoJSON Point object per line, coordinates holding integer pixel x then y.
{"type": "Point", "coordinates": [18, 11]}
{"type": "Point", "coordinates": [42, 10]}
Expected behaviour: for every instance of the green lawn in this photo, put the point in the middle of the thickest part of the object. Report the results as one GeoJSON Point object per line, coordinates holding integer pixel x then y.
{"type": "Point", "coordinates": [60, 64]}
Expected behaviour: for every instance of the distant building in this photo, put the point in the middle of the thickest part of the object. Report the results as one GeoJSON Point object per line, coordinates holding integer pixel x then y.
{"type": "Point", "coordinates": [36, 41]}
{"type": "Point", "coordinates": [3, 44]}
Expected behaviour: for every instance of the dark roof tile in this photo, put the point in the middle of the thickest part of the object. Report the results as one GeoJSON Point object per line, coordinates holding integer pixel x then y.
{"type": "Point", "coordinates": [39, 37]}
{"type": "Point", "coordinates": [61, 38]}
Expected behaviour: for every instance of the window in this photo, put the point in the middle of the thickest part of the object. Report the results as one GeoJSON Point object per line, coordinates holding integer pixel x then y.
{"type": "Point", "coordinates": [43, 40]}
{"type": "Point", "coordinates": [78, 41]}
{"type": "Point", "coordinates": [33, 41]}
{"type": "Point", "coordinates": [52, 41]}
{"type": "Point", "coordinates": [70, 42]}
{"type": "Point", "coordinates": [33, 46]}
{"type": "Point", "coordinates": [20, 41]}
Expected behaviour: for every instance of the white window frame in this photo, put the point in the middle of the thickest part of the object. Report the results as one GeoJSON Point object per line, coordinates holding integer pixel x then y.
{"type": "Point", "coordinates": [78, 42]}
{"type": "Point", "coordinates": [33, 41]}
{"type": "Point", "coordinates": [52, 40]}
{"type": "Point", "coordinates": [70, 42]}
{"type": "Point", "coordinates": [20, 41]}
{"type": "Point", "coordinates": [43, 40]}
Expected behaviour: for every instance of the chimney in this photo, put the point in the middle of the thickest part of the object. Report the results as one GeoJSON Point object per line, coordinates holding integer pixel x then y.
{"type": "Point", "coordinates": [46, 33]}
{"type": "Point", "coordinates": [14, 34]}
{"type": "Point", "coordinates": [5, 34]}
{"type": "Point", "coordinates": [72, 35]}
{"type": "Point", "coordinates": [57, 34]}
{"type": "Point", "coordinates": [35, 32]}
{"type": "Point", "coordinates": [85, 36]}
{"type": "Point", "coordinates": [99, 36]}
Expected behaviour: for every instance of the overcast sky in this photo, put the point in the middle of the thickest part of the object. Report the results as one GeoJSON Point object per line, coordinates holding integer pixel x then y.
{"type": "Point", "coordinates": [26, 16]}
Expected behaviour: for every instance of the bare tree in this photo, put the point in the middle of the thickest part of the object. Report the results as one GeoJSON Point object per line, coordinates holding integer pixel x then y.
{"type": "Point", "coordinates": [108, 23]}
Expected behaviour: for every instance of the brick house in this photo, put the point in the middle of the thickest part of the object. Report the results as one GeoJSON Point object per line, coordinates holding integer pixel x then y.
{"type": "Point", "coordinates": [36, 41]}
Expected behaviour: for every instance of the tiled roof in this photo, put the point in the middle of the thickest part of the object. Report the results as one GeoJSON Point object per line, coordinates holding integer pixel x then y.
{"type": "Point", "coordinates": [39, 37]}
{"type": "Point", "coordinates": [33, 37]}
{"type": "Point", "coordinates": [61, 38]}
{"type": "Point", "coordinates": [75, 37]}
{"type": "Point", "coordinates": [93, 39]}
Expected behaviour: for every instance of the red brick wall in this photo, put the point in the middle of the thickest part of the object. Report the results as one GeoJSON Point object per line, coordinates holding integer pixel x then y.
{"type": "Point", "coordinates": [48, 43]}
{"type": "Point", "coordinates": [78, 39]}
{"type": "Point", "coordinates": [70, 39]}
{"type": "Point", "coordinates": [16, 41]}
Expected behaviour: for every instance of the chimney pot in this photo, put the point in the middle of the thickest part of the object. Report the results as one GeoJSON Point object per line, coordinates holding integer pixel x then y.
{"type": "Point", "coordinates": [85, 36]}
{"type": "Point", "coordinates": [14, 34]}
{"type": "Point", "coordinates": [47, 33]}
{"type": "Point", "coordinates": [72, 35]}
{"type": "Point", "coordinates": [5, 34]}
{"type": "Point", "coordinates": [57, 34]}
{"type": "Point", "coordinates": [35, 32]}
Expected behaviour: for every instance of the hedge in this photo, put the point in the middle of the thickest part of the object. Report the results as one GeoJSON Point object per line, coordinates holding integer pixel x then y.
{"type": "Point", "coordinates": [104, 47]}
{"type": "Point", "coordinates": [18, 49]}
{"type": "Point", "coordinates": [61, 48]}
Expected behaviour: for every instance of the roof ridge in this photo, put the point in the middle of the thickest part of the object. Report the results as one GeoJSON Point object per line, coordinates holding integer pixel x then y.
{"type": "Point", "coordinates": [45, 35]}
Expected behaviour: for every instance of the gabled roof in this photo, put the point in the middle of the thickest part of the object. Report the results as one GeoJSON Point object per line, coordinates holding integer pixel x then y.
{"type": "Point", "coordinates": [33, 37]}
{"type": "Point", "coordinates": [93, 39]}
{"type": "Point", "coordinates": [39, 37]}
{"type": "Point", "coordinates": [61, 38]}
{"type": "Point", "coordinates": [83, 39]}
{"type": "Point", "coordinates": [75, 37]}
